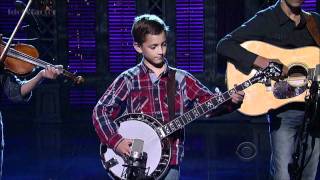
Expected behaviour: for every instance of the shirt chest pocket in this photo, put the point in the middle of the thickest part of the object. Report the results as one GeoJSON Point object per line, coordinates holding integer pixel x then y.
{"type": "Point", "coordinates": [138, 100]}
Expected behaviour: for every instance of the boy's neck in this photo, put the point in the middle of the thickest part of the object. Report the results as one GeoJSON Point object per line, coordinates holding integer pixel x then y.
{"type": "Point", "coordinates": [156, 69]}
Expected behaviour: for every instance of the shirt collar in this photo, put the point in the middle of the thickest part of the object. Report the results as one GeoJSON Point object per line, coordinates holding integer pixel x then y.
{"type": "Point", "coordinates": [283, 18]}
{"type": "Point", "coordinates": [146, 70]}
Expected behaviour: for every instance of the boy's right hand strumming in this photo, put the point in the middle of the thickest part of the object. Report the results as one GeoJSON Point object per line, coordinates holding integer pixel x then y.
{"type": "Point", "coordinates": [124, 148]}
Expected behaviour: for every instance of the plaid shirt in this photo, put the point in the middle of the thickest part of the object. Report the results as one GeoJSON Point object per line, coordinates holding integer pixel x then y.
{"type": "Point", "coordinates": [138, 90]}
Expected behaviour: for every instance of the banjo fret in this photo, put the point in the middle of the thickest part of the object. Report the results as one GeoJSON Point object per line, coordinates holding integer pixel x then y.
{"type": "Point", "coordinates": [172, 126]}
{"type": "Point", "coordinates": [200, 110]}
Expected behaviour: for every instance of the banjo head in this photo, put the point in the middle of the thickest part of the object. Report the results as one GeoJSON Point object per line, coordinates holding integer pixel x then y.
{"type": "Point", "coordinates": [139, 126]}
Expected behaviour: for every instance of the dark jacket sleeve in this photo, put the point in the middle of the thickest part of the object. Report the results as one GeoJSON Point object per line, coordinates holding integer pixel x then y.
{"type": "Point", "coordinates": [11, 87]}
{"type": "Point", "coordinates": [229, 46]}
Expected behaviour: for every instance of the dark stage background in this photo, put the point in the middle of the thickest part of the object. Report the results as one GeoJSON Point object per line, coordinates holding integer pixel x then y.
{"type": "Point", "coordinates": [52, 137]}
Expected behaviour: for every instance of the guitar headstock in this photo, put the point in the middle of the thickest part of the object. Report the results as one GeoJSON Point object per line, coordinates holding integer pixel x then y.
{"type": "Point", "coordinates": [272, 71]}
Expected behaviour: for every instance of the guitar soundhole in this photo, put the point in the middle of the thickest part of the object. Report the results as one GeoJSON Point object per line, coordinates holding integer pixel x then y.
{"type": "Point", "coordinates": [294, 85]}
{"type": "Point", "coordinates": [297, 76]}
{"type": "Point", "coordinates": [297, 70]}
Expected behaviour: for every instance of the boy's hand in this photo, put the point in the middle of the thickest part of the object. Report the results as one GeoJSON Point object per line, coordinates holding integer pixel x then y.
{"type": "Point", "coordinates": [124, 148]}
{"type": "Point", "coordinates": [237, 98]}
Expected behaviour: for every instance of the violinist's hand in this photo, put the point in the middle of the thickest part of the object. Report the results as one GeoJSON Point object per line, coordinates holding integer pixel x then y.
{"type": "Point", "coordinates": [51, 72]}
{"type": "Point", "coordinates": [237, 98]}
{"type": "Point", "coordinates": [123, 147]}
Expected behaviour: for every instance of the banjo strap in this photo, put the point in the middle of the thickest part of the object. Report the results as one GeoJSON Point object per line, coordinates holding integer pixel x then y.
{"type": "Point", "coordinates": [171, 90]}
{"type": "Point", "coordinates": [312, 27]}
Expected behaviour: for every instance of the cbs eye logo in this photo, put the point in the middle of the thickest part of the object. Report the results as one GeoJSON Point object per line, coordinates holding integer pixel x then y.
{"type": "Point", "coordinates": [246, 151]}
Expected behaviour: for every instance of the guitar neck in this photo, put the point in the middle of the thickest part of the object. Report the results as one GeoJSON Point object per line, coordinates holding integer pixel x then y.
{"type": "Point", "coordinates": [195, 113]}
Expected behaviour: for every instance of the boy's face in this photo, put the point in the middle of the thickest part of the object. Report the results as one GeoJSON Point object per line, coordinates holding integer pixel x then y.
{"type": "Point", "coordinates": [153, 48]}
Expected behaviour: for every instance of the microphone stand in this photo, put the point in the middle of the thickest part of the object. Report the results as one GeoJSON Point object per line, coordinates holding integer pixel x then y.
{"type": "Point", "coordinates": [310, 129]}
{"type": "Point", "coordinates": [6, 48]}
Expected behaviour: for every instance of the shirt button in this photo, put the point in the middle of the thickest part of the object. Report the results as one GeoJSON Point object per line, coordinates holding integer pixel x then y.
{"type": "Point", "coordinates": [156, 99]}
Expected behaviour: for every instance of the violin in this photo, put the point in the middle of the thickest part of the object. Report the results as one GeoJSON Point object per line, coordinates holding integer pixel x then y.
{"type": "Point", "coordinates": [22, 59]}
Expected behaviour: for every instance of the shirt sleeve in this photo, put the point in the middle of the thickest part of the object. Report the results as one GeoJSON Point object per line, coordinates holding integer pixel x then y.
{"type": "Point", "coordinates": [110, 106]}
{"type": "Point", "coordinates": [229, 46]}
{"type": "Point", "coordinates": [12, 88]}
{"type": "Point", "coordinates": [198, 93]}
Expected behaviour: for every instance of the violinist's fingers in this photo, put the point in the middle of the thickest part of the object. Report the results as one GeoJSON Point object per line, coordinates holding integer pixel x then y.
{"type": "Point", "coordinates": [56, 70]}
{"type": "Point", "coordinates": [60, 67]}
{"type": "Point", "coordinates": [51, 72]}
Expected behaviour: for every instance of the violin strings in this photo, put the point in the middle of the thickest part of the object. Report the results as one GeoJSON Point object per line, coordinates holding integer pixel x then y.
{"type": "Point", "coordinates": [40, 62]}
{"type": "Point", "coordinates": [37, 61]}
{"type": "Point", "coordinates": [23, 55]}
{"type": "Point", "coordinates": [29, 57]}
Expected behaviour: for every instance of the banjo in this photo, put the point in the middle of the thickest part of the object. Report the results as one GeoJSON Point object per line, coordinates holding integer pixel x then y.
{"type": "Point", "coordinates": [154, 135]}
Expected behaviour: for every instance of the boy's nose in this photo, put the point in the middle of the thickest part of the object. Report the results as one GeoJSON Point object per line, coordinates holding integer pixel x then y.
{"type": "Point", "coordinates": [161, 50]}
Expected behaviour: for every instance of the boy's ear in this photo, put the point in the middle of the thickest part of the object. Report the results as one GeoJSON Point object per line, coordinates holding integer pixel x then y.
{"type": "Point", "coordinates": [137, 47]}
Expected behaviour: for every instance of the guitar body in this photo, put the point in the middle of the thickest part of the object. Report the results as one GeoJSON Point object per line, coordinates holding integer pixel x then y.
{"type": "Point", "coordinates": [258, 100]}
{"type": "Point", "coordinates": [140, 126]}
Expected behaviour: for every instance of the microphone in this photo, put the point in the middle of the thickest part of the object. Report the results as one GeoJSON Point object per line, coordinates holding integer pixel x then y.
{"type": "Point", "coordinates": [136, 162]}
{"type": "Point", "coordinates": [137, 148]}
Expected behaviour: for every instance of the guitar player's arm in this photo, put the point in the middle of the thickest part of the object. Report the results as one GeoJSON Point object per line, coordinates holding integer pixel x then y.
{"type": "Point", "coordinates": [229, 46]}
{"type": "Point", "coordinates": [109, 107]}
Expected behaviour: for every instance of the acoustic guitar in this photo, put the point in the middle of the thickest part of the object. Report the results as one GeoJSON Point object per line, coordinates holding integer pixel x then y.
{"type": "Point", "coordinates": [260, 98]}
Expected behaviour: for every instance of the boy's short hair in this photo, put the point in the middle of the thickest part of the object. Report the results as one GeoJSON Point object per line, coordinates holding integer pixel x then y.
{"type": "Point", "coordinates": [147, 24]}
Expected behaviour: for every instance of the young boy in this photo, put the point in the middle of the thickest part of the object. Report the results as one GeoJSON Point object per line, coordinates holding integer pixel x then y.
{"type": "Point", "coordinates": [142, 89]}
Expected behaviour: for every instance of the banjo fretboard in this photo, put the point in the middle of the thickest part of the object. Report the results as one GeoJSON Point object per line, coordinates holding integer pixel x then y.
{"type": "Point", "coordinates": [201, 109]}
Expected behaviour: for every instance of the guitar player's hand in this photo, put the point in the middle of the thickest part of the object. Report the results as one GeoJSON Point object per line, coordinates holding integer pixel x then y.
{"type": "Point", "coordinates": [123, 148]}
{"type": "Point", "coordinates": [262, 62]}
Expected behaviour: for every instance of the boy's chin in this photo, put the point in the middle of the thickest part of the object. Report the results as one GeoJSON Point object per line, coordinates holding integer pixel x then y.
{"type": "Point", "coordinates": [158, 64]}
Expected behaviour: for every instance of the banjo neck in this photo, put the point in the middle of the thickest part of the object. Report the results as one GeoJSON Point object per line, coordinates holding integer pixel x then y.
{"type": "Point", "coordinates": [193, 114]}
